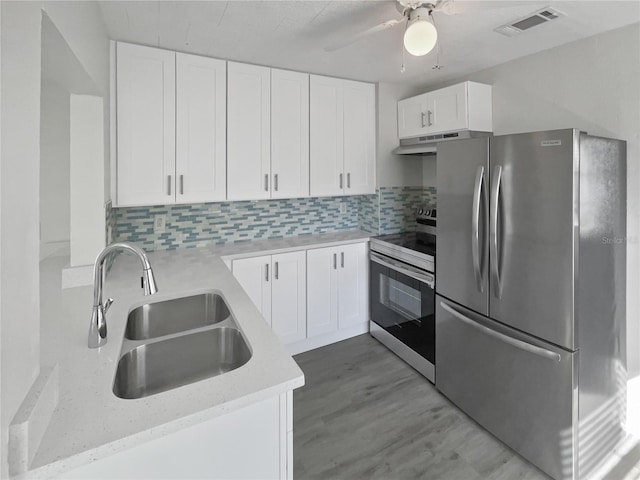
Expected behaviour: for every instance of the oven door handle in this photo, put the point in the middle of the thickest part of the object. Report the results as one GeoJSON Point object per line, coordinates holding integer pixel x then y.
{"type": "Point", "coordinates": [404, 269]}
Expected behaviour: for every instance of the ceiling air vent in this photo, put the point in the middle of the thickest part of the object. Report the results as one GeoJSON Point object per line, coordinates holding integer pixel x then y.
{"type": "Point", "coordinates": [525, 23]}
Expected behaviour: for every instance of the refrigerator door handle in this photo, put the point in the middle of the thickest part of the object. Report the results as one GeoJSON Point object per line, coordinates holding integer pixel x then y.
{"type": "Point", "coordinates": [495, 201]}
{"type": "Point", "coordinates": [527, 347]}
{"type": "Point", "coordinates": [475, 228]}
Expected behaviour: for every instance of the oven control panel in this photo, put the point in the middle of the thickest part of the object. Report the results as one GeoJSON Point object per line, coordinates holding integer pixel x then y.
{"type": "Point", "coordinates": [425, 214]}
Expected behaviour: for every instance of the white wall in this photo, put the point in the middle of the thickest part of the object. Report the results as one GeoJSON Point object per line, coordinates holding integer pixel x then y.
{"type": "Point", "coordinates": [81, 26]}
{"type": "Point", "coordinates": [87, 168]}
{"type": "Point", "coordinates": [593, 85]}
{"type": "Point", "coordinates": [429, 174]}
{"type": "Point", "coordinates": [394, 170]}
{"type": "Point", "coordinates": [54, 163]}
{"type": "Point", "coordinates": [20, 246]}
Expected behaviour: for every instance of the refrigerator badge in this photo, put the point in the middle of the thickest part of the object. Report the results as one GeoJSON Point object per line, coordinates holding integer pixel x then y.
{"type": "Point", "coordinates": [551, 143]}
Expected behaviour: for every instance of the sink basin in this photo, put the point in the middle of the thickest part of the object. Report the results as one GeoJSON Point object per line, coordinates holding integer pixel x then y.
{"type": "Point", "coordinates": [177, 315]}
{"type": "Point", "coordinates": [167, 364]}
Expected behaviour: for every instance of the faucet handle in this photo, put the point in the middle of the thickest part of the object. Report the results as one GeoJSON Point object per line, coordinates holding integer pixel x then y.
{"type": "Point", "coordinates": [106, 305]}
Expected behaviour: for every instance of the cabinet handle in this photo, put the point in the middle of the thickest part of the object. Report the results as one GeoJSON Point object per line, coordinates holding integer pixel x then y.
{"type": "Point", "coordinates": [341, 259]}
{"type": "Point", "coordinates": [168, 184]}
{"type": "Point", "coordinates": [335, 261]}
{"type": "Point", "coordinates": [266, 272]}
{"type": "Point", "coordinates": [181, 184]}
{"type": "Point", "coordinates": [340, 180]}
{"type": "Point", "coordinates": [348, 180]}
{"type": "Point", "coordinates": [275, 182]}
{"type": "Point", "coordinates": [266, 182]}
{"type": "Point", "coordinates": [429, 113]}
{"type": "Point", "coordinates": [276, 271]}
{"type": "Point", "coordinates": [422, 115]}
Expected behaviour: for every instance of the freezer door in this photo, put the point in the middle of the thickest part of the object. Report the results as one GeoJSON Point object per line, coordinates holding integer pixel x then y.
{"type": "Point", "coordinates": [520, 389]}
{"type": "Point", "coordinates": [463, 206]}
{"type": "Point", "coordinates": [534, 233]}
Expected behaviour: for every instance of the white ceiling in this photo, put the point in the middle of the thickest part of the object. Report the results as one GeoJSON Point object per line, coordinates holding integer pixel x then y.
{"type": "Point", "coordinates": [293, 34]}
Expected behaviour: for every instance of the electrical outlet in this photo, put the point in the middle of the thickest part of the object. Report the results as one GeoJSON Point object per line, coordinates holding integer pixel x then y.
{"type": "Point", "coordinates": [343, 208]}
{"type": "Point", "coordinates": [159, 223]}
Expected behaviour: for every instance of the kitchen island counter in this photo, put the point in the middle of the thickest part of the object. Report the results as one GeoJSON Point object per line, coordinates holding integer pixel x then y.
{"type": "Point", "coordinates": [90, 422]}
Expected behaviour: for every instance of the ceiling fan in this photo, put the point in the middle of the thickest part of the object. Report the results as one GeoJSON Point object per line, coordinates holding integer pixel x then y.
{"type": "Point", "coordinates": [420, 35]}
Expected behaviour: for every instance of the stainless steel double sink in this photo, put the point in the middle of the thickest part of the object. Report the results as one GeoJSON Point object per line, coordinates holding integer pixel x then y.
{"type": "Point", "coordinates": [176, 342]}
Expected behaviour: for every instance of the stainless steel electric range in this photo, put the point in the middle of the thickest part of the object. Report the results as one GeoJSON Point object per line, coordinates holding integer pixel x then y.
{"type": "Point", "coordinates": [402, 292]}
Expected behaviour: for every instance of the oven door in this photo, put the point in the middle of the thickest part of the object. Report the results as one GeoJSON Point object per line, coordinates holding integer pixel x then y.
{"type": "Point", "coordinates": [402, 302]}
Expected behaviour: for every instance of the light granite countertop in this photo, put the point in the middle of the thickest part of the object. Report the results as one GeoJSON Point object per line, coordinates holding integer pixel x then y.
{"type": "Point", "coordinates": [90, 422]}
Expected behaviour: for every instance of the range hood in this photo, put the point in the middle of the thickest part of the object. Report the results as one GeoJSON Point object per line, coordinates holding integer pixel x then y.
{"type": "Point", "coordinates": [427, 145]}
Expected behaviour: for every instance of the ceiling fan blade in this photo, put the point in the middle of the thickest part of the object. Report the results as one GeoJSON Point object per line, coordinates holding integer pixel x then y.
{"type": "Point", "coordinates": [348, 41]}
{"type": "Point", "coordinates": [447, 7]}
{"type": "Point", "coordinates": [458, 7]}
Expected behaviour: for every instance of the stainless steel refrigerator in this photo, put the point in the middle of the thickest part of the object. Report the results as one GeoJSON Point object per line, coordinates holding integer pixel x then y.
{"type": "Point", "coordinates": [530, 306]}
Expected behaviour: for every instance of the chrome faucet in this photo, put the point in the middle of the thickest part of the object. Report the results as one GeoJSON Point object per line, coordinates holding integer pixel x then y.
{"type": "Point", "coordinates": [98, 325]}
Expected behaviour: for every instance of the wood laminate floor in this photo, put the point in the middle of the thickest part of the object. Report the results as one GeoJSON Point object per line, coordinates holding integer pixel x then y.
{"type": "Point", "coordinates": [365, 414]}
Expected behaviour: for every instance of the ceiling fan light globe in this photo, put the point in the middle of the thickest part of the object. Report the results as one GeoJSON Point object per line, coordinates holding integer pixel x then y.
{"type": "Point", "coordinates": [420, 38]}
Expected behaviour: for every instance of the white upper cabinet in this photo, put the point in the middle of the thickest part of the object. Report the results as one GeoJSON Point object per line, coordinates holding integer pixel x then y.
{"type": "Point", "coordinates": [171, 127]}
{"type": "Point", "coordinates": [289, 134]}
{"type": "Point", "coordinates": [342, 137]}
{"type": "Point", "coordinates": [194, 129]}
{"type": "Point", "coordinates": [248, 132]}
{"type": "Point", "coordinates": [145, 126]}
{"type": "Point", "coordinates": [412, 116]}
{"type": "Point", "coordinates": [201, 103]}
{"type": "Point", "coordinates": [465, 106]}
{"type": "Point", "coordinates": [359, 137]}
{"type": "Point", "coordinates": [447, 109]}
{"type": "Point", "coordinates": [326, 136]}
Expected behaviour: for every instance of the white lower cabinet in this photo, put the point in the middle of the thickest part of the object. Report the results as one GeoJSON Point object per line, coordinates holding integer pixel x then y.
{"type": "Point", "coordinates": [337, 288]}
{"type": "Point", "coordinates": [277, 286]}
{"type": "Point", "coordinates": [289, 296]}
{"type": "Point", "coordinates": [253, 275]}
{"type": "Point", "coordinates": [310, 298]}
{"type": "Point", "coordinates": [322, 286]}
{"type": "Point", "coordinates": [353, 285]}
{"type": "Point", "coordinates": [252, 442]}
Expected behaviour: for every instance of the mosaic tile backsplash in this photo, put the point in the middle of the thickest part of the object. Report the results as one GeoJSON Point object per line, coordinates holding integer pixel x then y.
{"type": "Point", "coordinates": [228, 222]}
{"type": "Point", "coordinates": [398, 207]}
{"type": "Point", "coordinates": [187, 226]}
{"type": "Point", "coordinates": [369, 213]}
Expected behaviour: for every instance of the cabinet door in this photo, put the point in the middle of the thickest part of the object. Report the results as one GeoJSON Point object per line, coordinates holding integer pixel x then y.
{"type": "Point", "coordinates": [289, 296]}
{"type": "Point", "coordinates": [326, 136]}
{"type": "Point", "coordinates": [201, 129]}
{"type": "Point", "coordinates": [289, 134]}
{"type": "Point", "coordinates": [248, 132]}
{"type": "Point", "coordinates": [145, 125]}
{"type": "Point", "coordinates": [359, 137]}
{"type": "Point", "coordinates": [353, 285]}
{"type": "Point", "coordinates": [447, 109]}
{"type": "Point", "coordinates": [412, 121]}
{"type": "Point", "coordinates": [254, 275]}
{"type": "Point", "coordinates": [322, 298]}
